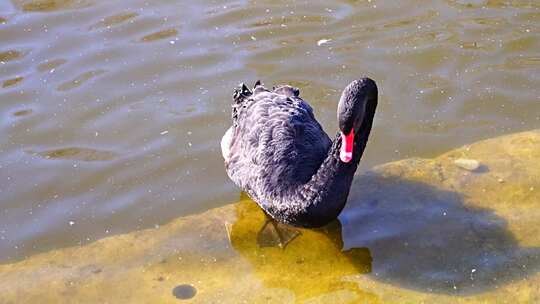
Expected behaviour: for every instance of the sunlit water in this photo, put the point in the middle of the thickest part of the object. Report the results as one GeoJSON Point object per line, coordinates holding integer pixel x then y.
{"type": "Point", "coordinates": [112, 111]}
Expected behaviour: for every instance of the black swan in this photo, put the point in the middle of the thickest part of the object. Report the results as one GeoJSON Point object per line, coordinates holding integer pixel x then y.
{"type": "Point", "coordinates": [278, 153]}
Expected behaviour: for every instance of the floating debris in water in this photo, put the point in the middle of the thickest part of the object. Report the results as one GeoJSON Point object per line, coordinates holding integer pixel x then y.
{"type": "Point", "coordinates": [184, 291]}
{"type": "Point", "coordinates": [467, 164]}
{"type": "Point", "coordinates": [323, 41]}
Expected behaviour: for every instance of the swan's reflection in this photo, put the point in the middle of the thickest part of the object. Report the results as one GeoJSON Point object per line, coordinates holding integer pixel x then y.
{"type": "Point", "coordinates": [421, 237]}
{"type": "Point", "coordinates": [308, 262]}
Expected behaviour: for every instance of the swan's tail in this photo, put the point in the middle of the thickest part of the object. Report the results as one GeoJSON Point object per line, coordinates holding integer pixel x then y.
{"type": "Point", "coordinates": [240, 94]}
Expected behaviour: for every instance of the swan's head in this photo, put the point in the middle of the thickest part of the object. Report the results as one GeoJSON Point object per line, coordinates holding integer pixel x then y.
{"type": "Point", "coordinates": [351, 113]}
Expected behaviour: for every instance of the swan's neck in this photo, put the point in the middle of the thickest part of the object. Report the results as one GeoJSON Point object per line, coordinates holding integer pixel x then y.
{"type": "Point", "coordinates": [322, 198]}
{"type": "Point", "coordinates": [327, 191]}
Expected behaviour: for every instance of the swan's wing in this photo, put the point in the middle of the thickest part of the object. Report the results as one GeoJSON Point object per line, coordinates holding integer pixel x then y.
{"type": "Point", "coordinates": [277, 143]}
{"type": "Point", "coordinates": [226, 142]}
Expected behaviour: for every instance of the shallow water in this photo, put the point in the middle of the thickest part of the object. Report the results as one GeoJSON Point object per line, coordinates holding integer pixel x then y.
{"type": "Point", "coordinates": [413, 231]}
{"type": "Point", "coordinates": [112, 111]}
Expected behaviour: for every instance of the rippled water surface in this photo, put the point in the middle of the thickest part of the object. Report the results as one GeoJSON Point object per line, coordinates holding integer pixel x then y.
{"type": "Point", "coordinates": [112, 111]}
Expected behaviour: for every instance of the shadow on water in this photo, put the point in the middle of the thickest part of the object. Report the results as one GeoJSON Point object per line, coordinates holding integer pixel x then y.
{"type": "Point", "coordinates": [431, 240]}
{"type": "Point", "coordinates": [310, 263]}
{"type": "Point", "coordinates": [419, 237]}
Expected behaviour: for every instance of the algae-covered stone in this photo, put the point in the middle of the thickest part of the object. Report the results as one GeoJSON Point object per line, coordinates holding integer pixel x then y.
{"type": "Point", "coordinates": [417, 230]}
{"type": "Point", "coordinates": [467, 164]}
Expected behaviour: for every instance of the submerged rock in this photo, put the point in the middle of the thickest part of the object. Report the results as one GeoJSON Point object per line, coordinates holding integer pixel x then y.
{"type": "Point", "coordinates": [416, 230]}
{"type": "Point", "coordinates": [467, 164]}
{"type": "Point", "coordinates": [184, 291]}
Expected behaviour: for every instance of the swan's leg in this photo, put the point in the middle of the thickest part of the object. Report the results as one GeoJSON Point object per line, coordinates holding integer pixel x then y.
{"type": "Point", "coordinates": [274, 234]}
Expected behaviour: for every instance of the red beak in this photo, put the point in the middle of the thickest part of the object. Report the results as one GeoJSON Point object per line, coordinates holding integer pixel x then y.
{"type": "Point", "coordinates": [347, 143]}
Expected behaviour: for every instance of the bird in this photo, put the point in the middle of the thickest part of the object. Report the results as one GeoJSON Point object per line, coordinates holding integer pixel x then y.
{"type": "Point", "coordinates": [278, 153]}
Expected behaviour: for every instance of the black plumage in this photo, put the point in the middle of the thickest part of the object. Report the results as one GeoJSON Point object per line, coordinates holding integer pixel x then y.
{"type": "Point", "coordinates": [278, 153]}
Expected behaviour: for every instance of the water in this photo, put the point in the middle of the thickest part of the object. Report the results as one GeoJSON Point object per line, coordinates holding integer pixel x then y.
{"type": "Point", "coordinates": [112, 111]}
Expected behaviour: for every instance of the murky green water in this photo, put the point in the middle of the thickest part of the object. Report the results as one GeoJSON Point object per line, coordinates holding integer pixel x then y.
{"type": "Point", "coordinates": [112, 111]}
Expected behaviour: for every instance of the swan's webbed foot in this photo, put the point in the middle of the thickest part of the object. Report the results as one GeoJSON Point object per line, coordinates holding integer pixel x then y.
{"type": "Point", "coordinates": [274, 234]}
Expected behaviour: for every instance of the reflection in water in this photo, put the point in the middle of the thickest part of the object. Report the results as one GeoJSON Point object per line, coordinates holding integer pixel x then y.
{"type": "Point", "coordinates": [9, 55]}
{"type": "Point", "coordinates": [76, 153]}
{"type": "Point", "coordinates": [113, 20]}
{"type": "Point", "coordinates": [50, 5]}
{"type": "Point", "coordinates": [451, 75]}
{"type": "Point", "coordinates": [274, 234]}
{"type": "Point", "coordinates": [428, 239]}
{"type": "Point", "coordinates": [22, 112]}
{"type": "Point", "coordinates": [12, 82]}
{"type": "Point", "coordinates": [50, 65]}
{"type": "Point", "coordinates": [311, 264]}
{"type": "Point", "coordinates": [421, 238]}
{"type": "Point", "coordinates": [160, 35]}
{"type": "Point", "coordinates": [79, 80]}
